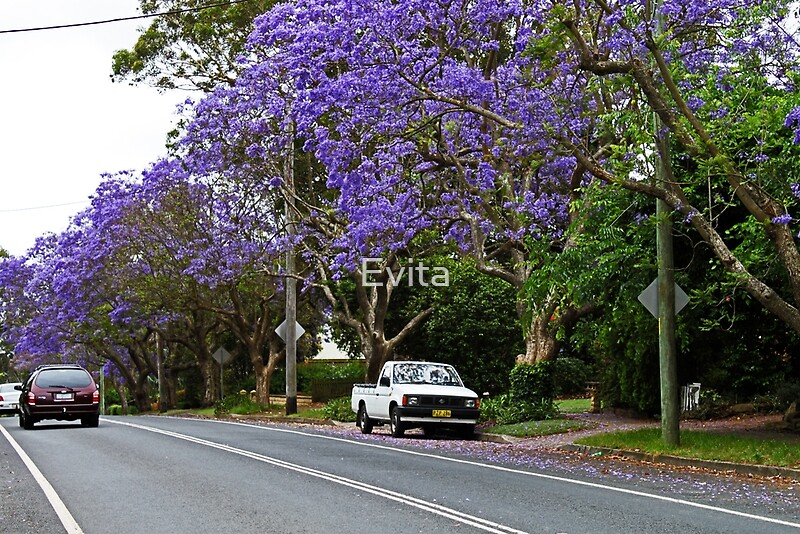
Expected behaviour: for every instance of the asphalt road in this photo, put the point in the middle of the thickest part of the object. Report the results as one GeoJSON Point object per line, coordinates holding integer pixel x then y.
{"type": "Point", "coordinates": [157, 474]}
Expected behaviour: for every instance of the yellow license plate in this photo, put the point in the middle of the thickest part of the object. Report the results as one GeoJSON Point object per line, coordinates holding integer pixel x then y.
{"type": "Point", "coordinates": [441, 413]}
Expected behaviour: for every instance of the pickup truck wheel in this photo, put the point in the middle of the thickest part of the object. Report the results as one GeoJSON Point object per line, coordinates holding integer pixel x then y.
{"type": "Point", "coordinates": [364, 422]}
{"type": "Point", "coordinates": [395, 424]}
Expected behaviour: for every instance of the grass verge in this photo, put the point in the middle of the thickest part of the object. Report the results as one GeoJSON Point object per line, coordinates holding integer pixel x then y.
{"type": "Point", "coordinates": [726, 447]}
{"type": "Point", "coordinates": [574, 405]}
{"type": "Point", "coordinates": [530, 429]}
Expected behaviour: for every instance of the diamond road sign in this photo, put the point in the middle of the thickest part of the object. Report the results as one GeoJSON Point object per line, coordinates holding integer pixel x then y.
{"type": "Point", "coordinates": [298, 330]}
{"type": "Point", "coordinates": [222, 356]}
{"type": "Point", "coordinates": [649, 298]}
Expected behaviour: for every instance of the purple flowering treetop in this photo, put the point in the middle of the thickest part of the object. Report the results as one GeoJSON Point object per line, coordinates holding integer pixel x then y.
{"type": "Point", "coordinates": [416, 128]}
{"type": "Point", "coordinates": [482, 118]}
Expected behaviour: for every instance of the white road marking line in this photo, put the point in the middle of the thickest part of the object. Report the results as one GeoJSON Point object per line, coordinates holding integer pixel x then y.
{"type": "Point", "coordinates": [477, 522]}
{"type": "Point", "coordinates": [61, 510]}
{"type": "Point", "coordinates": [525, 473]}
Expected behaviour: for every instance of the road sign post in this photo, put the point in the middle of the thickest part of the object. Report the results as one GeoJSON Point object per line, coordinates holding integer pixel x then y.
{"type": "Point", "coordinates": [222, 357]}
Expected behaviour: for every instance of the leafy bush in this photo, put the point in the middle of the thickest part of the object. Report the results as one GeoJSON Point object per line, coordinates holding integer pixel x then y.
{"type": "Point", "coordinates": [506, 409]}
{"type": "Point", "coordinates": [711, 406]}
{"type": "Point", "coordinates": [533, 383]}
{"type": "Point", "coordinates": [778, 401]}
{"type": "Point", "coordinates": [339, 410]}
{"type": "Point", "coordinates": [787, 393]}
{"type": "Point", "coordinates": [531, 397]}
{"type": "Point", "coordinates": [237, 404]}
{"type": "Point", "coordinates": [474, 325]}
{"type": "Point", "coordinates": [766, 403]}
{"type": "Point", "coordinates": [570, 376]}
{"type": "Point", "coordinates": [311, 370]}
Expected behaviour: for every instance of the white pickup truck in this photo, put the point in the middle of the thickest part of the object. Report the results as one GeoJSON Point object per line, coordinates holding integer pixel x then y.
{"type": "Point", "coordinates": [416, 394]}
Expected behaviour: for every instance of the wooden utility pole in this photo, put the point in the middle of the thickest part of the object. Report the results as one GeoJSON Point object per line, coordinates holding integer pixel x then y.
{"type": "Point", "coordinates": [668, 367]}
{"type": "Point", "coordinates": [291, 282]}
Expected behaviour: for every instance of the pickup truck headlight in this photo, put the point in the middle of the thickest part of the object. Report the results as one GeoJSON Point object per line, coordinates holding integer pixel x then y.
{"type": "Point", "coordinates": [410, 400]}
{"type": "Point", "coordinates": [472, 403]}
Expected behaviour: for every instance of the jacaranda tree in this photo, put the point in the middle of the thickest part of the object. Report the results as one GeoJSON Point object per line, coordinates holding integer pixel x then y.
{"type": "Point", "coordinates": [482, 117]}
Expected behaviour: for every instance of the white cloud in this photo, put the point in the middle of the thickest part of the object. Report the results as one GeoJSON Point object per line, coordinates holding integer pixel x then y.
{"type": "Point", "coordinates": [64, 122]}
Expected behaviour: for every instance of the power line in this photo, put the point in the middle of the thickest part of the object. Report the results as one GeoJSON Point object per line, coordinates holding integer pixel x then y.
{"type": "Point", "coordinates": [123, 19]}
{"type": "Point", "coordinates": [32, 208]}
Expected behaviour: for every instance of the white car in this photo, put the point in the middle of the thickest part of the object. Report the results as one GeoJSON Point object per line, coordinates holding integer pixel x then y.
{"type": "Point", "coordinates": [9, 397]}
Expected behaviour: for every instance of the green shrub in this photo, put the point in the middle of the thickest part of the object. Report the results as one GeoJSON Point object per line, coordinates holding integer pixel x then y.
{"type": "Point", "coordinates": [312, 370]}
{"type": "Point", "coordinates": [237, 404]}
{"type": "Point", "coordinates": [778, 400]}
{"type": "Point", "coordinates": [339, 410]}
{"type": "Point", "coordinates": [787, 393]}
{"type": "Point", "coordinates": [533, 383]}
{"type": "Point", "coordinates": [768, 403]}
{"type": "Point", "coordinates": [711, 406]}
{"type": "Point", "coordinates": [506, 409]}
{"type": "Point", "coordinates": [570, 376]}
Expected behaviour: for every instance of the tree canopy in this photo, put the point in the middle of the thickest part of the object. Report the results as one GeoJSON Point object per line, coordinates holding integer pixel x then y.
{"type": "Point", "coordinates": [507, 131]}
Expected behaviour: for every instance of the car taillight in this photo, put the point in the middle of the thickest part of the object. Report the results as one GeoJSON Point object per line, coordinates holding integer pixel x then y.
{"type": "Point", "coordinates": [96, 397]}
{"type": "Point", "coordinates": [31, 398]}
{"type": "Point", "coordinates": [1, 398]}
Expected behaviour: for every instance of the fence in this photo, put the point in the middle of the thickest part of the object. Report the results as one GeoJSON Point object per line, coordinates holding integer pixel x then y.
{"type": "Point", "coordinates": [325, 390]}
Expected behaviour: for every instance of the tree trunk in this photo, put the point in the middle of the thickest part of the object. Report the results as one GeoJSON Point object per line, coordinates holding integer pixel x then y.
{"type": "Point", "coordinates": [380, 353]}
{"type": "Point", "coordinates": [123, 397]}
{"type": "Point", "coordinates": [141, 396]}
{"type": "Point", "coordinates": [208, 370]}
{"type": "Point", "coordinates": [540, 340]}
{"type": "Point", "coordinates": [264, 372]}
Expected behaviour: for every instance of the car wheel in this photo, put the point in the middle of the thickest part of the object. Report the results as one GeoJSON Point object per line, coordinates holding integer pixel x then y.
{"type": "Point", "coordinates": [395, 424]}
{"type": "Point", "coordinates": [364, 422]}
{"type": "Point", "coordinates": [25, 422]}
{"type": "Point", "coordinates": [90, 421]}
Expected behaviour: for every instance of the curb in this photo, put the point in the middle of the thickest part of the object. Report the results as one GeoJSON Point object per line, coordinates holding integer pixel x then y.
{"type": "Point", "coordinates": [495, 438]}
{"type": "Point", "coordinates": [667, 459]}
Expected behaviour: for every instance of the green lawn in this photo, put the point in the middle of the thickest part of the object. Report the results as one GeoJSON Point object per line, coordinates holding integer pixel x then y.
{"type": "Point", "coordinates": [530, 429]}
{"type": "Point", "coordinates": [727, 447]}
{"type": "Point", "coordinates": [574, 405]}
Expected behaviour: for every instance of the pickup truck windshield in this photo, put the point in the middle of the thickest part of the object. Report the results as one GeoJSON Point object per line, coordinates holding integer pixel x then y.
{"type": "Point", "coordinates": [424, 373]}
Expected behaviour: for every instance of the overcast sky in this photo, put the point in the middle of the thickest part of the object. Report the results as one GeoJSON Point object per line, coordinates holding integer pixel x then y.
{"type": "Point", "coordinates": [63, 121]}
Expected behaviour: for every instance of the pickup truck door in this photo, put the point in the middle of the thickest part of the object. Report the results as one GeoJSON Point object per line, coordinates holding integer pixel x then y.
{"type": "Point", "coordinates": [380, 403]}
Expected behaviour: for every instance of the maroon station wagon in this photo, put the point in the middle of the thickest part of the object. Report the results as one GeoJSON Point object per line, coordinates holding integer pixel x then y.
{"type": "Point", "coordinates": [64, 392]}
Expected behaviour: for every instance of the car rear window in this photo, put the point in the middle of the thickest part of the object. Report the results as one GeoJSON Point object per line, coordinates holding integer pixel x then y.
{"type": "Point", "coordinates": [68, 378]}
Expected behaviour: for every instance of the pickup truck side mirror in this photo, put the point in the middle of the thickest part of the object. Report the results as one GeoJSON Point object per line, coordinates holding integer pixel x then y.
{"type": "Point", "coordinates": [385, 382]}
{"type": "Point", "coordinates": [18, 388]}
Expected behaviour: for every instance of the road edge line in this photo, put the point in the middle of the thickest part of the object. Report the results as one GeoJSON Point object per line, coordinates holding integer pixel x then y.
{"type": "Point", "coordinates": [58, 505]}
